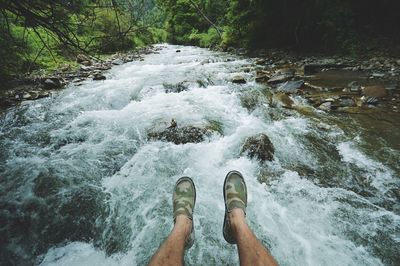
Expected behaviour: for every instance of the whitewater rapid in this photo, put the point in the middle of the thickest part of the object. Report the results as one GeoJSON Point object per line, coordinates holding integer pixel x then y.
{"type": "Point", "coordinates": [92, 139]}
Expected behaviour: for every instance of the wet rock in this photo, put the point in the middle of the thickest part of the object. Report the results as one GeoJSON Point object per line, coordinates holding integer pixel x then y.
{"type": "Point", "coordinates": [259, 147]}
{"type": "Point", "coordinates": [283, 99]}
{"type": "Point", "coordinates": [354, 86]}
{"type": "Point", "coordinates": [242, 51]}
{"type": "Point", "coordinates": [262, 76]}
{"type": "Point", "coordinates": [260, 61]}
{"type": "Point", "coordinates": [290, 86]}
{"type": "Point", "coordinates": [177, 88]}
{"type": "Point", "coordinates": [346, 102]}
{"type": "Point", "coordinates": [238, 79]}
{"type": "Point", "coordinates": [181, 135]}
{"type": "Point", "coordinates": [27, 96]}
{"type": "Point", "coordinates": [231, 50]}
{"type": "Point", "coordinates": [178, 51]}
{"type": "Point", "coordinates": [282, 76]}
{"type": "Point", "coordinates": [99, 76]}
{"type": "Point", "coordinates": [326, 106]}
{"type": "Point", "coordinates": [375, 91]}
{"type": "Point", "coordinates": [251, 98]}
{"type": "Point", "coordinates": [117, 62]}
{"type": "Point", "coordinates": [378, 75]}
{"type": "Point", "coordinates": [52, 83]}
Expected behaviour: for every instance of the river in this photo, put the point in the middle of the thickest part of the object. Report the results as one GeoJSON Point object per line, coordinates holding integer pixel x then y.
{"type": "Point", "coordinates": [81, 183]}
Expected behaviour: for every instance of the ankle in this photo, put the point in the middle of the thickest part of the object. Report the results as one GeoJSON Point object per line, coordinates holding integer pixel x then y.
{"type": "Point", "coordinates": [237, 220]}
{"type": "Point", "coordinates": [183, 224]}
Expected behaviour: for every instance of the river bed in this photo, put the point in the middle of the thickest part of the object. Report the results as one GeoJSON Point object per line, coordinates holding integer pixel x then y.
{"type": "Point", "coordinates": [81, 183]}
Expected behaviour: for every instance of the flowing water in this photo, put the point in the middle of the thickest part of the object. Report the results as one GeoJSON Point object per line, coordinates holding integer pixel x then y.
{"type": "Point", "coordinates": [81, 183]}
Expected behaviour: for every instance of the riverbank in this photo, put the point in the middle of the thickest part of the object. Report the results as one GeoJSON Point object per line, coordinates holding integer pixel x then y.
{"type": "Point", "coordinates": [30, 87]}
{"type": "Point", "coordinates": [330, 83]}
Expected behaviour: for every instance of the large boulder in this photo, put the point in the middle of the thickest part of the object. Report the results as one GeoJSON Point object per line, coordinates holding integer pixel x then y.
{"type": "Point", "coordinates": [259, 147]}
{"type": "Point", "coordinates": [181, 135]}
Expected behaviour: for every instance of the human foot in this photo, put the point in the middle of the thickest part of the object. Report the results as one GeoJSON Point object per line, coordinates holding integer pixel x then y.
{"type": "Point", "coordinates": [235, 197]}
{"type": "Point", "coordinates": [183, 200]}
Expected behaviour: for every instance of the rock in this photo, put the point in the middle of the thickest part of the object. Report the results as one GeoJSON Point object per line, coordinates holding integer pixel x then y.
{"type": "Point", "coordinates": [178, 51]}
{"type": "Point", "coordinates": [180, 135]}
{"type": "Point", "coordinates": [242, 51]}
{"type": "Point", "coordinates": [290, 86]}
{"type": "Point", "coordinates": [398, 62]}
{"type": "Point", "coordinates": [284, 99]}
{"type": "Point", "coordinates": [87, 63]}
{"type": "Point", "coordinates": [231, 50]}
{"type": "Point", "coordinates": [52, 83]}
{"type": "Point", "coordinates": [99, 76]}
{"type": "Point", "coordinates": [260, 61]}
{"type": "Point", "coordinates": [282, 76]}
{"type": "Point", "coordinates": [117, 62]}
{"type": "Point", "coordinates": [375, 91]}
{"type": "Point", "coordinates": [346, 102]}
{"type": "Point", "coordinates": [262, 76]}
{"type": "Point", "coordinates": [354, 86]}
{"type": "Point", "coordinates": [238, 79]}
{"type": "Point", "coordinates": [177, 88]}
{"type": "Point", "coordinates": [82, 58]}
{"type": "Point", "coordinates": [27, 96]}
{"type": "Point", "coordinates": [378, 75]}
{"type": "Point", "coordinates": [259, 147]}
{"type": "Point", "coordinates": [326, 106]}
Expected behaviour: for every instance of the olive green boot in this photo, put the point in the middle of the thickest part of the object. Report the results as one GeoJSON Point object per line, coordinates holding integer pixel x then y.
{"type": "Point", "coordinates": [235, 197]}
{"type": "Point", "coordinates": [183, 200]}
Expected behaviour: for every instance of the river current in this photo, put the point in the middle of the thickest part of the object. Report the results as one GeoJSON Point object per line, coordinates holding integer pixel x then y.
{"type": "Point", "coordinates": [81, 183]}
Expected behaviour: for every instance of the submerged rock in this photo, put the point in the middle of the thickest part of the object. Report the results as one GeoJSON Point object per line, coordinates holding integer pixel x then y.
{"type": "Point", "coordinates": [177, 88]}
{"type": "Point", "coordinates": [181, 135]}
{"type": "Point", "coordinates": [238, 79]}
{"type": "Point", "coordinates": [259, 147]}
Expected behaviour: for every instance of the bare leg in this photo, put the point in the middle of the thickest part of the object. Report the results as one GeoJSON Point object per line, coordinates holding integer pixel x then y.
{"type": "Point", "coordinates": [172, 250]}
{"type": "Point", "coordinates": [251, 251]}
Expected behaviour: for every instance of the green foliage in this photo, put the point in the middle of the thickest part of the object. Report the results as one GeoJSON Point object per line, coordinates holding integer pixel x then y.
{"type": "Point", "coordinates": [327, 25]}
{"type": "Point", "coordinates": [28, 41]}
{"type": "Point", "coordinates": [206, 39]}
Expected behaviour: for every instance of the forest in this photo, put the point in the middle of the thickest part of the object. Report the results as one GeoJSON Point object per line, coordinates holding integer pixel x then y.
{"type": "Point", "coordinates": [43, 34]}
